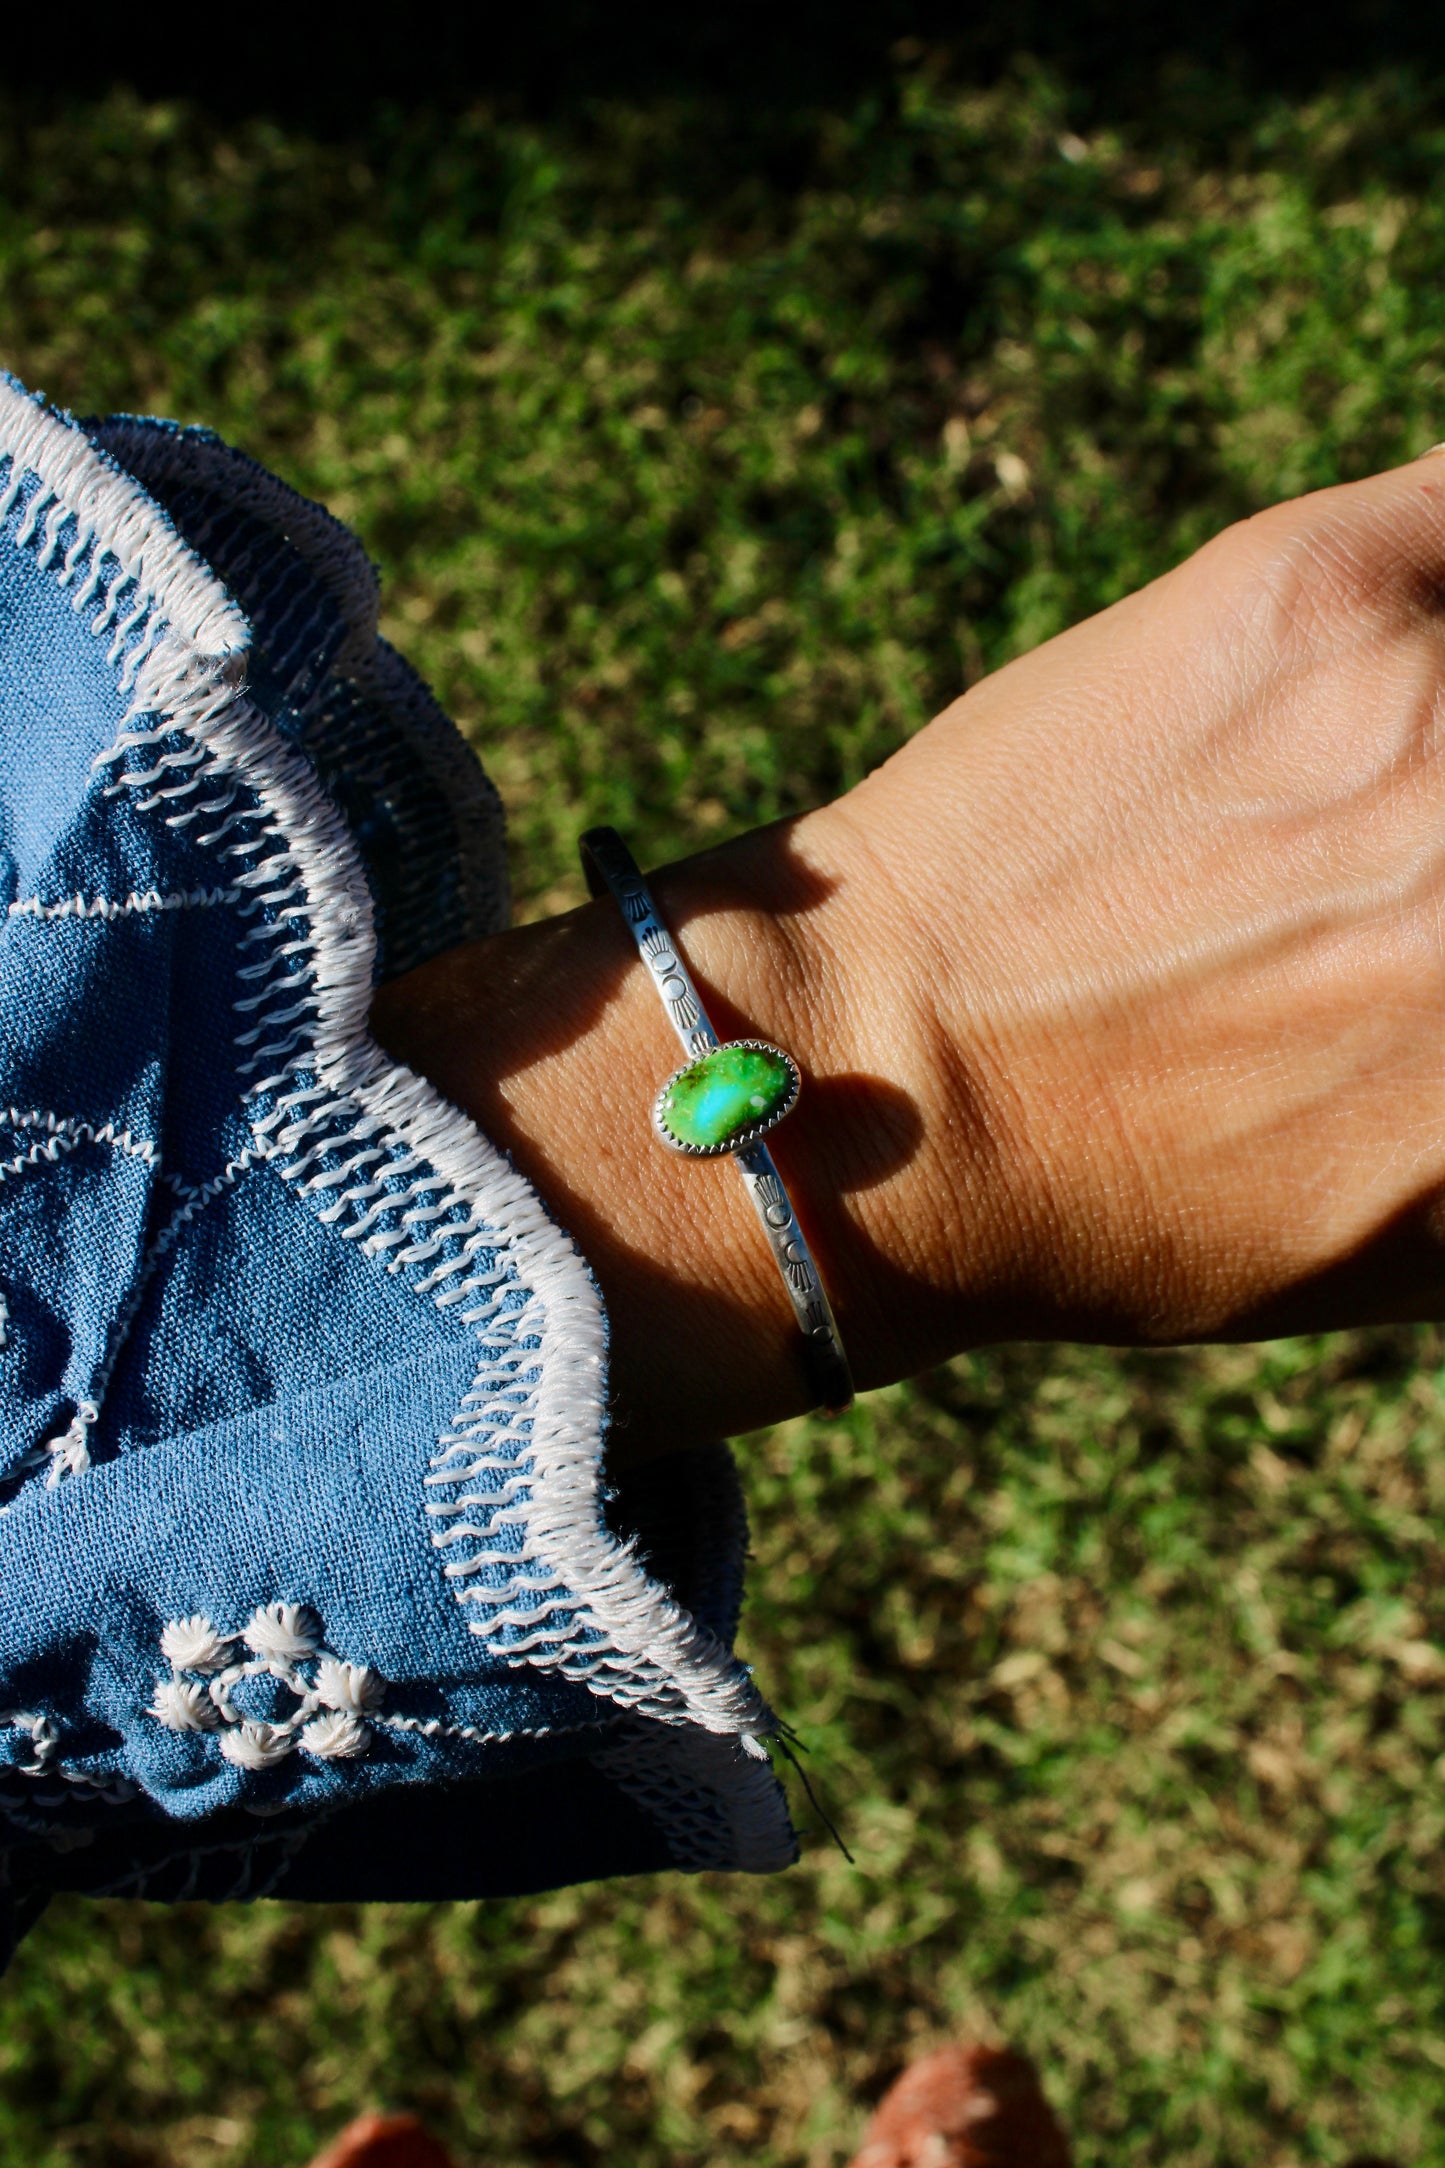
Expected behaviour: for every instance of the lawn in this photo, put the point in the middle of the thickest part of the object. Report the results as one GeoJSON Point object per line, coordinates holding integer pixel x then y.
{"type": "Point", "coordinates": [703, 465]}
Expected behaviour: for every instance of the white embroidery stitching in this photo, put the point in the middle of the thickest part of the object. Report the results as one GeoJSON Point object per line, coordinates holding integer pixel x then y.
{"type": "Point", "coordinates": [43, 1735]}
{"type": "Point", "coordinates": [336, 1702]}
{"type": "Point", "coordinates": [612, 1627]}
{"type": "Point", "coordinates": [63, 1133]}
{"type": "Point", "coordinates": [148, 900]}
{"type": "Point", "coordinates": [138, 540]}
{"type": "Point", "coordinates": [68, 1454]}
{"type": "Point", "coordinates": [46, 1760]}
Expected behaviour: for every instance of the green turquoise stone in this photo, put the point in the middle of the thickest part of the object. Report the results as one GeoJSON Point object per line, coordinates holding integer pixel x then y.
{"type": "Point", "coordinates": [723, 1095]}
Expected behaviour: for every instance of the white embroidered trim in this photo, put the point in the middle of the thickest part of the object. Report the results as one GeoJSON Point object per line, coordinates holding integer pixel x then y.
{"type": "Point", "coordinates": [180, 645]}
{"type": "Point", "coordinates": [330, 549]}
{"type": "Point", "coordinates": [336, 1703]}
{"type": "Point", "coordinates": [69, 1453]}
{"type": "Point", "coordinates": [164, 458]}
{"type": "Point", "coordinates": [339, 1705]}
{"type": "Point", "coordinates": [62, 1134]}
{"type": "Point", "coordinates": [43, 1734]}
{"type": "Point", "coordinates": [46, 1759]}
{"type": "Point", "coordinates": [195, 899]}
{"type": "Point", "coordinates": [131, 535]}
{"type": "Point", "coordinates": [439, 1727]}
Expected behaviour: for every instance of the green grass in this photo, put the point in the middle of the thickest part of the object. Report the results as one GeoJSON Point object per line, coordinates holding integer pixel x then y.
{"type": "Point", "coordinates": [700, 475]}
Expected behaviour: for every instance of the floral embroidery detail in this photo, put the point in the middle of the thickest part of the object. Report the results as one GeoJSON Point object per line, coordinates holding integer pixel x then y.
{"type": "Point", "coordinates": [288, 1632]}
{"type": "Point", "coordinates": [332, 1698]}
{"type": "Point", "coordinates": [353, 1689]}
{"type": "Point", "coordinates": [336, 1737]}
{"type": "Point", "coordinates": [192, 1644]}
{"type": "Point", "coordinates": [184, 1705]}
{"type": "Point", "coordinates": [256, 1746]}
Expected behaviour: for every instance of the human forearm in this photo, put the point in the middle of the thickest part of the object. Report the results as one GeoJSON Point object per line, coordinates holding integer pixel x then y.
{"type": "Point", "coordinates": [553, 1039]}
{"type": "Point", "coordinates": [1119, 996]}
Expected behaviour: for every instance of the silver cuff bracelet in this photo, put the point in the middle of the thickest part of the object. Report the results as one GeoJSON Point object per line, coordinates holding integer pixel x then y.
{"type": "Point", "coordinates": [723, 1101]}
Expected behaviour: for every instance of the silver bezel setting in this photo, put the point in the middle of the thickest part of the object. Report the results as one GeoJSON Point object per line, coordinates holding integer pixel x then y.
{"type": "Point", "coordinates": [744, 1137]}
{"type": "Point", "coordinates": [612, 870]}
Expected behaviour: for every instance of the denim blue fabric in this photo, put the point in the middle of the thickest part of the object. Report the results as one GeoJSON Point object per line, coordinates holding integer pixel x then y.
{"type": "Point", "coordinates": [309, 1585]}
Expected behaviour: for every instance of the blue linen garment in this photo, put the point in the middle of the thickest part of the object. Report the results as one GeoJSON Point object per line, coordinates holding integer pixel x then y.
{"type": "Point", "coordinates": [309, 1585]}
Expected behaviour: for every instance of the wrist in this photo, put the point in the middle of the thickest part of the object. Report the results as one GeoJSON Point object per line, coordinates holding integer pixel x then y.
{"type": "Point", "coordinates": [552, 1038]}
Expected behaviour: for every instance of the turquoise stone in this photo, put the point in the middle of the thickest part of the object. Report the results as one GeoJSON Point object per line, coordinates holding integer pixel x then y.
{"type": "Point", "coordinates": [725, 1094]}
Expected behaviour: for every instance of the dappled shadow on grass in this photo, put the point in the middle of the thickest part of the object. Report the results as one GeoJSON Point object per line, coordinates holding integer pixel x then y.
{"type": "Point", "coordinates": [1124, 1673]}
{"type": "Point", "coordinates": [1150, 1650]}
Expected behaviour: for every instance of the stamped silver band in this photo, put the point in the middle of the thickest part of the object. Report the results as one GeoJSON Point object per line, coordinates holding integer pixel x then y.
{"type": "Point", "coordinates": [611, 868]}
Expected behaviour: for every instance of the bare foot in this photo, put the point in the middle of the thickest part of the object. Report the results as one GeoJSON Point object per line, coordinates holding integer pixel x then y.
{"type": "Point", "coordinates": [384, 2141]}
{"type": "Point", "coordinates": [965, 2107]}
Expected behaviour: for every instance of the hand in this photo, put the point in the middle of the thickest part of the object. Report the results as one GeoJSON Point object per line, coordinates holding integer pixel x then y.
{"type": "Point", "coordinates": [1119, 993]}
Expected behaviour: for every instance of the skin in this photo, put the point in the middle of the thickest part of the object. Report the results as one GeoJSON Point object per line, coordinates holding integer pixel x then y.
{"type": "Point", "coordinates": [1119, 995]}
